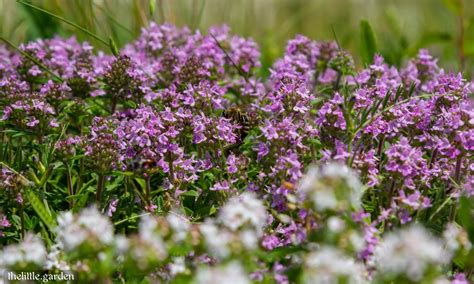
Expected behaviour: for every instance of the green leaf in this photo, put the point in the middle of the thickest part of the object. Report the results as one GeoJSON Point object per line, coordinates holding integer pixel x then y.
{"type": "Point", "coordinates": [465, 215]}
{"type": "Point", "coordinates": [113, 47]}
{"type": "Point", "coordinates": [40, 209]}
{"type": "Point", "coordinates": [188, 211]}
{"type": "Point", "coordinates": [152, 7]}
{"type": "Point", "coordinates": [191, 193]}
{"type": "Point", "coordinates": [368, 44]}
{"type": "Point", "coordinates": [280, 253]}
{"type": "Point", "coordinates": [213, 210]}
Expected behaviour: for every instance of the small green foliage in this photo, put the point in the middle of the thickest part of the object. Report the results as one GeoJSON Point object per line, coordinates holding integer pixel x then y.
{"type": "Point", "coordinates": [368, 44]}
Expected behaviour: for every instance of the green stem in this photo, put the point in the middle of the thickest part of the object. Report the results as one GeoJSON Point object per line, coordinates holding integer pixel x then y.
{"type": "Point", "coordinates": [131, 218]}
{"type": "Point", "coordinates": [69, 184]}
{"type": "Point", "coordinates": [390, 194]}
{"type": "Point", "coordinates": [457, 179]}
{"type": "Point", "coordinates": [100, 187]}
{"type": "Point", "coordinates": [22, 221]}
{"type": "Point", "coordinates": [137, 188]}
{"type": "Point", "coordinates": [114, 105]}
{"type": "Point", "coordinates": [171, 170]}
{"type": "Point", "coordinates": [148, 188]}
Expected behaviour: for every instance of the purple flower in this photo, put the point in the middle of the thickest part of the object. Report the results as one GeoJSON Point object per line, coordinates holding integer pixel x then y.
{"type": "Point", "coordinates": [112, 207]}
{"type": "Point", "coordinates": [407, 161]}
{"type": "Point", "coordinates": [222, 185]}
{"type": "Point", "coordinates": [4, 222]}
{"type": "Point", "coordinates": [270, 242]}
{"type": "Point", "coordinates": [269, 131]}
{"type": "Point", "coordinates": [231, 164]}
{"type": "Point", "coordinates": [19, 198]}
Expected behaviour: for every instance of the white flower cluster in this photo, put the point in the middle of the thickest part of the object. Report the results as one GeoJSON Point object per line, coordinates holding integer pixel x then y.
{"type": "Point", "coordinates": [230, 273]}
{"type": "Point", "coordinates": [410, 252]}
{"type": "Point", "coordinates": [329, 265]}
{"type": "Point", "coordinates": [145, 249]}
{"type": "Point", "coordinates": [456, 238]}
{"type": "Point", "coordinates": [89, 226]}
{"type": "Point", "coordinates": [245, 209]}
{"type": "Point", "coordinates": [333, 186]}
{"type": "Point", "coordinates": [55, 259]}
{"type": "Point", "coordinates": [177, 266]}
{"type": "Point", "coordinates": [217, 240]}
{"type": "Point", "coordinates": [30, 252]}
{"type": "Point", "coordinates": [149, 234]}
{"type": "Point", "coordinates": [180, 226]}
{"type": "Point", "coordinates": [240, 220]}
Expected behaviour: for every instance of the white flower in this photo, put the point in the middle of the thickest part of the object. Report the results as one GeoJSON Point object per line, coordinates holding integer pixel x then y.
{"type": "Point", "coordinates": [336, 224]}
{"type": "Point", "coordinates": [122, 244]}
{"type": "Point", "coordinates": [329, 265]}
{"type": "Point", "coordinates": [217, 240]}
{"type": "Point", "coordinates": [149, 234]}
{"type": "Point", "coordinates": [357, 240]}
{"type": "Point", "coordinates": [245, 209]}
{"type": "Point", "coordinates": [88, 226]}
{"type": "Point", "coordinates": [249, 239]}
{"type": "Point", "coordinates": [180, 226]}
{"type": "Point", "coordinates": [30, 251]}
{"type": "Point", "coordinates": [333, 186]}
{"type": "Point", "coordinates": [177, 266]}
{"type": "Point", "coordinates": [55, 261]}
{"type": "Point", "coordinates": [230, 273]}
{"type": "Point", "coordinates": [455, 238]}
{"type": "Point", "coordinates": [410, 251]}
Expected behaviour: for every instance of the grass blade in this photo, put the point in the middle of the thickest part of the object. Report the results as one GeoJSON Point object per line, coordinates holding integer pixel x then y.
{"type": "Point", "coordinates": [91, 34]}
{"type": "Point", "coordinates": [368, 44]}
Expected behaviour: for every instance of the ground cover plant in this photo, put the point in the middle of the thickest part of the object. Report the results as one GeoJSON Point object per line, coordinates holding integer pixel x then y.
{"type": "Point", "coordinates": [174, 160]}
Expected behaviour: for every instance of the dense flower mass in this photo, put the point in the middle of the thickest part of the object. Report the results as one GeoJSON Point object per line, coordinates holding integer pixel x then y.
{"type": "Point", "coordinates": [176, 161]}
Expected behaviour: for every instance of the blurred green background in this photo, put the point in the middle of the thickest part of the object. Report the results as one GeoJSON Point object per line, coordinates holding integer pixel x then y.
{"type": "Point", "coordinates": [446, 27]}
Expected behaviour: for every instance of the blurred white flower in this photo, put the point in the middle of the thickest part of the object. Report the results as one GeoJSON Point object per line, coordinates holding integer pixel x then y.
{"type": "Point", "coordinates": [229, 273]}
{"type": "Point", "coordinates": [89, 226]}
{"type": "Point", "coordinates": [54, 259]}
{"type": "Point", "coordinates": [180, 226]}
{"type": "Point", "coordinates": [456, 238]}
{"type": "Point", "coordinates": [336, 224]}
{"type": "Point", "coordinates": [245, 209]}
{"type": "Point", "coordinates": [31, 251]}
{"type": "Point", "coordinates": [249, 239]}
{"type": "Point", "coordinates": [122, 244]}
{"type": "Point", "coordinates": [177, 266]}
{"type": "Point", "coordinates": [333, 186]}
{"type": "Point", "coordinates": [329, 265]}
{"type": "Point", "coordinates": [149, 234]}
{"type": "Point", "coordinates": [217, 240]}
{"type": "Point", "coordinates": [409, 251]}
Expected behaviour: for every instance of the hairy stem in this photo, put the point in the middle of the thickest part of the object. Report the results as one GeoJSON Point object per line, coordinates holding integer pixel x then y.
{"type": "Point", "coordinates": [100, 188]}
{"type": "Point", "coordinates": [148, 188]}
{"type": "Point", "coordinates": [22, 221]}
{"type": "Point", "coordinates": [457, 179]}
{"type": "Point", "coordinates": [70, 190]}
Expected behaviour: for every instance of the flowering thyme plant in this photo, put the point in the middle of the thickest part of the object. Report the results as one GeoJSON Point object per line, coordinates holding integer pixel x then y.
{"type": "Point", "coordinates": [174, 161]}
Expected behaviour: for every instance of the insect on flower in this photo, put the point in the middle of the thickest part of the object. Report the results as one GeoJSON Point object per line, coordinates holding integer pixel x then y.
{"type": "Point", "coordinates": [246, 119]}
{"type": "Point", "coordinates": [140, 164]}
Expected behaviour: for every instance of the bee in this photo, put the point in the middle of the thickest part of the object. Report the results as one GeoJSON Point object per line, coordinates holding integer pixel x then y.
{"type": "Point", "coordinates": [246, 120]}
{"type": "Point", "coordinates": [141, 165]}
{"type": "Point", "coordinates": [288, 185]}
